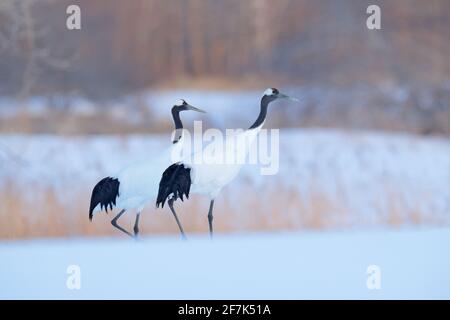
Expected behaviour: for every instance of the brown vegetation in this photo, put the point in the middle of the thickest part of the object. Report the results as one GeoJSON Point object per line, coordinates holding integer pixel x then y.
{"type": "Point", "coordinates": [48, 216]}
{"type": "Point", "coordinates": [128, 45]}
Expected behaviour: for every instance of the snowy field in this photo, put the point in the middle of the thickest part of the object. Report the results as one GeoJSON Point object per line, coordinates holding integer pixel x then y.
{"type": "Point", "coordinates": [340, 203]}
{"type": "Point", "coordinates": [359, 107]}
{"type": "Point", "coordinates": [327, 179]}
{"type": "Point", "coordinates": [413, 264]}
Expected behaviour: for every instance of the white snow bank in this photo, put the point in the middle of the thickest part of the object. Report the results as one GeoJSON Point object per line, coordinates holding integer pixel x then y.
{"type": "Point", "coordinates": [414, 264]}
{"type": "Point", "coordinates": [365, 177]}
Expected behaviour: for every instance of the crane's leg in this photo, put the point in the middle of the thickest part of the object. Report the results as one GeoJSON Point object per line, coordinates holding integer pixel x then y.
{"type": "Point", "coordinates": [170, 202]}
{"type": "Point", "coordinates": [114, 223]}
{"type": "Point", "coordinates": [136, 225]}
{"type": "Point", "coordinates": [210, 218]}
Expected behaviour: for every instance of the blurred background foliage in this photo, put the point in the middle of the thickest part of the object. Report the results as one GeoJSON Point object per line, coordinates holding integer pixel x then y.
{"type": "Point", "coordinates": [399, 76]}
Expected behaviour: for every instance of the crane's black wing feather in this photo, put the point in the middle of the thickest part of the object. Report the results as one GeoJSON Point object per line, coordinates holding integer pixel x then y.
{"type": "Point", "coordinates": [175, 182]}
{"type": "Point", "coordinates": [105, 193]}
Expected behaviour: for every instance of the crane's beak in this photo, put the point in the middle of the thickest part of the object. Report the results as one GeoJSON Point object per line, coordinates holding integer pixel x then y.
{"type": "Point", "coordinates": [285, 96]}
{"type": "Point", "coordinates": [189, 107]}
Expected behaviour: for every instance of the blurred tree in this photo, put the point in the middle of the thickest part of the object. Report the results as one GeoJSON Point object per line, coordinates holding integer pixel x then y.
{"type": "Point", "coordinates": [129, 45]}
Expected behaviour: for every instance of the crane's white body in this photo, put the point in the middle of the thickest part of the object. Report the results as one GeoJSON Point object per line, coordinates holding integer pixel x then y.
{"type": "Point", "coordinates": [209, 170]}
{"type": "Point", "coordinates": [208, 176]}
{"type": "Point", "coordinates": [138, 182]}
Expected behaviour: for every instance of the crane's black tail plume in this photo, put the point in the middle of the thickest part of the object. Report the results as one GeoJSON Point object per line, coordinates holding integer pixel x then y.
{"type": "Point", "coordinates": [175, 181]}
{"type": "Point", "coordinates": [105, 193]}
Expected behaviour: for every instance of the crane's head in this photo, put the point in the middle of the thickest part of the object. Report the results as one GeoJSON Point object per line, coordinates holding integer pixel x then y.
{"type": "Point", "coordinates": [182, 105]}
{"type": "Point", "coordinates": [272, 94]}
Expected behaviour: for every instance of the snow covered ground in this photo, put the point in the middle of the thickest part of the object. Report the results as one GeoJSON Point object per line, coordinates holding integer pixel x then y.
{"type": "Point", "coordinates": [236, 108]}
{"type": "Point", "coordinates": [326, 178]}
{"type": "Point", "coordinates": [410, 264]}
{"type": "Point", "coordinates": [352, 186]}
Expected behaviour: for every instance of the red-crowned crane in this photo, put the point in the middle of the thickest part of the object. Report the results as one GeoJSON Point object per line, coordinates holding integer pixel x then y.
{"type": "Point", "coordinates": [137, 185]}
{"type": "Point", "coordinates": [208, 178]}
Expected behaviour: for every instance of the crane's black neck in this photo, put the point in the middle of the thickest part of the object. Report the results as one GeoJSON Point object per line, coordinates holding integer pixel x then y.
{"type": "Point", "coordinates": [265, 100]}
{"type": "Point", "coordinates": [176, 118]}
{"type": "Point", "coordinates": [178, 125]}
